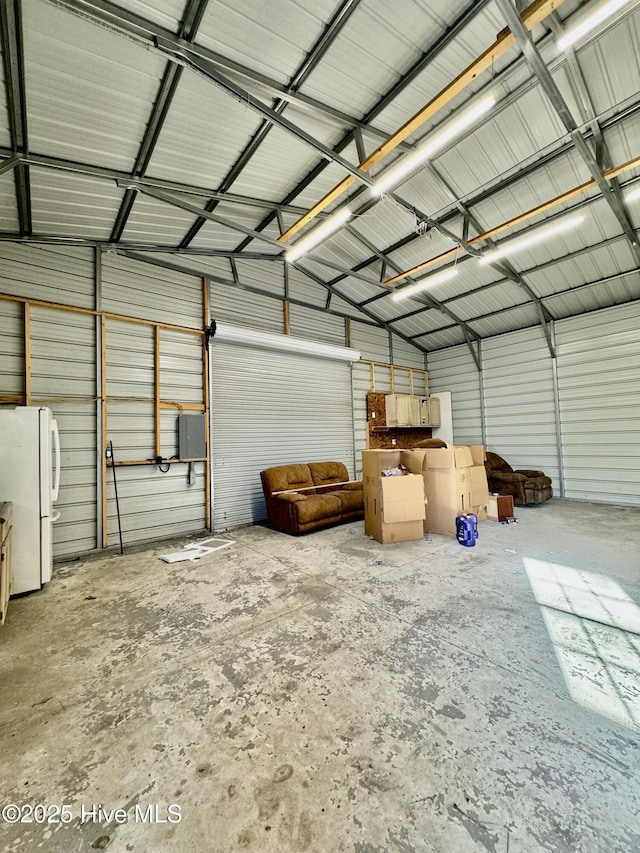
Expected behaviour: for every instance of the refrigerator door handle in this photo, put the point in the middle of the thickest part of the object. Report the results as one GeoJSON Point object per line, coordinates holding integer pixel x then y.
{"type": "Point", "coordinates": [56, 445]}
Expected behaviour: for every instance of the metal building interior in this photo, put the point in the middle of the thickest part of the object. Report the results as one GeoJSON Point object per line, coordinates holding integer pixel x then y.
{"type": "Point", "coordinates": [451, 190]}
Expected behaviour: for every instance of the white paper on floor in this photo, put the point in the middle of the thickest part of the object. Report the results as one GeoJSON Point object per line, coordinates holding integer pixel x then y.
{"type": "Point", "coordinates": [195, 550]}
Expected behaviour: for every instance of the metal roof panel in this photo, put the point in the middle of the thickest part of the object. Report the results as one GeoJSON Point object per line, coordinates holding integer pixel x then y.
{"type": "Point", "coordinates": [167, 13]}
{"type": "Point", "coordinates": [90, 89]}
{"type": "Point", "coordinates": [503, 295]}
{"type": "Point", "coordinates": [155, 221]}
{"type": "Point", "coordinates": [272, 38]}
{"type": "Point", "coordinates": [515, 318]}
{"type": "Point", "coordinates": [204, 131]}
{"type": "Point", "coordinates": [73, 204]}
{"type": "Point", "coordinates": [8, 209]}
{"type": "Point", "coordinates": [5, 135]}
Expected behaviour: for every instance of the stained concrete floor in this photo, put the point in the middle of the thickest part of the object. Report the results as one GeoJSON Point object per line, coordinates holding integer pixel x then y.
{"type": "Point", "coordinates": [293, 694]}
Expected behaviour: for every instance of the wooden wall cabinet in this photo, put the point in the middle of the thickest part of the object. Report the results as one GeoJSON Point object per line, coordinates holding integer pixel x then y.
{"type": "Point", "coordinates": [410, 410]}
{"type": "Point", "coordinates": [402, 410]}
{"type": "Point", "coordinates": [430, 411]}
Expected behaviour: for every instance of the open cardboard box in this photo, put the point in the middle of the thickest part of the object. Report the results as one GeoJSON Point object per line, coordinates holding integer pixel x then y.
{"type": "Point", "coordinates": [455, 482]}
{"type": "Point", "coordinates": [394, 507]}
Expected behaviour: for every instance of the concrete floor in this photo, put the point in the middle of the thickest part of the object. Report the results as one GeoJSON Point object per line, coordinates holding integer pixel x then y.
{"type": "Point", "coordinates": [293, 694]}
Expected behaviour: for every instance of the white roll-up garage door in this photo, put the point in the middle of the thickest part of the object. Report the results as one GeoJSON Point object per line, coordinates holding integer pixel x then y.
{"type": "Point", "coordinates": [272, 408]}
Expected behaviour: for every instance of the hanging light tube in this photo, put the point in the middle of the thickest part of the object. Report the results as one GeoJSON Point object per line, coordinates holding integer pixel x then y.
{"type": "Point", "coordinates": [634, 195]}
{"type": "Point", "coordinates": [317, 235]}
{"type": "Point", "coordinates": [539, 235]}
{"type": "Point", "coordinates": [284, 343]}
{"type": "Point", "coordinates": [428, 149]}
{"type": "Point", "coordinates": [589, 22]}
{"type": "Point", "coordinates": [424, 283]}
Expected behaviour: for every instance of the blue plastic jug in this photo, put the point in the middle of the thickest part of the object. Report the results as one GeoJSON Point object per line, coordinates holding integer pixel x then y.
{"type": "Point", "coordinates": [467, 529]}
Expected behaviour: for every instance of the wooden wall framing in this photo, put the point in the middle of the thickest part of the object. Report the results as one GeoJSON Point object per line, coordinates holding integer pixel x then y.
{"type": "Point", "coordinates": [103, 317]}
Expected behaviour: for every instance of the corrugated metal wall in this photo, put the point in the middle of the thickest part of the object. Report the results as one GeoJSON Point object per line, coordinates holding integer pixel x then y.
{"type": "Point", "coordinates": [11, 347]}
{"type": "Point", "coordinates": [149, 292]}
{"type": "Point", "coordinates": [153, 504]}
{"type": "Point", "coordinates": [63, 372]}
{"type": "Point", "coordinates": [599, 390]}
{"type": "Point", "coordinates": [406, 354]}
{"type": "Point", "coordinates": [519, 402]}
{"type": "Point", "coordinates": [54, 273]}
{"type": "Point", "coordinates": [63, 376]}
{"type": "Point", "coordinates": [272, 408]}
{"type": "Point", "coordinates": [597, 402]}
{"type": "Point", "coordinates": [372, 341]}
{"type": "Point", "coordinates": [455, 370]}
{"type": "Point", "coordinates": [307, 323]}
{"type": "Point", "coordinates": [241, 308]}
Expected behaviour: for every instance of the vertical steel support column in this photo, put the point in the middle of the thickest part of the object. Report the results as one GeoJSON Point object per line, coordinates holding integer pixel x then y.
{"type": "Point", "coordinates": [97, 304]}
{"type": "Point", "coordinates": [556, 402]}
{"type": "Point", "coordinates": [483, 417]}
{"type": "Point", "coordinates": [103, 443]}
{"type": "Point", "coordinates": [156, 388]}
{"type": "Point", "coordinates": [206, 319]}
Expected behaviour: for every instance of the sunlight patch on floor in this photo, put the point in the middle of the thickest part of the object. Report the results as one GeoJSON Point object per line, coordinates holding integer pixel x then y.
{"type": "Point", "coordinates": [595, 629]}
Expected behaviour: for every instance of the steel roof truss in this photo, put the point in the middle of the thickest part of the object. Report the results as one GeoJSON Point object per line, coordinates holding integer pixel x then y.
{"type": "Point", "coordinates": [558, 103]}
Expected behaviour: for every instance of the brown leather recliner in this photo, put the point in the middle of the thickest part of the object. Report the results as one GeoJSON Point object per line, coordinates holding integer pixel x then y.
{"type": "Point", "coordinates": [525, 485]}
{"type": "Point", "coordinates": [319, 503]}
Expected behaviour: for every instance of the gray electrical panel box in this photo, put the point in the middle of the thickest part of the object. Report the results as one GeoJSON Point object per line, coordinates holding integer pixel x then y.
{"type": "Point", "coordinates": [191, 436]}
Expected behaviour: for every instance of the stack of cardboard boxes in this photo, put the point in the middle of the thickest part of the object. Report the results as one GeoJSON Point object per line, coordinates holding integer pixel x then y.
{"type": "Point", "coordinates": [440, 484]}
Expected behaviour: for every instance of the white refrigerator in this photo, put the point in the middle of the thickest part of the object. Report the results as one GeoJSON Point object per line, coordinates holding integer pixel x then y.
{"type": "Point", "coordinates": [30, 479]}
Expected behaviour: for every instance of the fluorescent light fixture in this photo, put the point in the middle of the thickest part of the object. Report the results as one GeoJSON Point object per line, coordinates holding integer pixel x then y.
{"type": "Point", "coordinates": [408, 164]}
{"type": "Point", "coordinates": [589, 22]}
{"type": "Point", "coordinates": [634, 195]}
{"type": "Point", "coordinates": [284, 343]}
{"type": "Point", "coordinates": [539, 235]}
{"type": "Point", "coordinates": [317, 235]}
{"type": "Point", "coordinates": [424, 283]}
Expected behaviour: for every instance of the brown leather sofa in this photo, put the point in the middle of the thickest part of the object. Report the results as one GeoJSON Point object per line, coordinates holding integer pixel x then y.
{"type": "Point", "coordinates": [321, 502]}
{"type": "Point", "coordinates": [525, 485]}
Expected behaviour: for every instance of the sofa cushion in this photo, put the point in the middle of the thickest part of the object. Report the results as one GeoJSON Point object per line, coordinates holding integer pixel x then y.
{"type": "Point", "coordinates": [316, 507]}
{"type": "Point", "coordinates": [325, 473]}
{"type": "Point", "coordinates": [283, 477]}
{"type": "Point", "coordinates": [351, 500]}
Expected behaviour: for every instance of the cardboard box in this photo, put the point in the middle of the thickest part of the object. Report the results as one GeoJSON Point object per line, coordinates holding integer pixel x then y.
{"type": "Point", "coordinates": [448, 487]}
{"type": "Point", "coordinates": [374, 462]}
{"type": "Point", "coordinates": [500, 507]}
{"type": "Point", "coordinates": [393, 506]}
{"type": "Point", "coordinates": [479, 485]}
